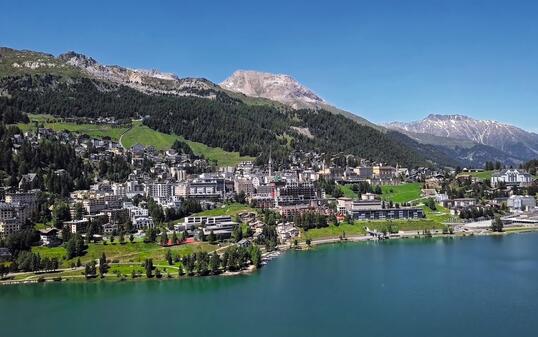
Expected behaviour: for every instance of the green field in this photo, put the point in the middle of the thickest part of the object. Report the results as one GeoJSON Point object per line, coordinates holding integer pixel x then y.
{"type": "Point", "coordinates": [348, 192]}
{"type": "Point", "coordinates": [441, 215]}
{"type": "Point", "coordinates": [228, 209]}
{"type": "Point", "coordinates": [140, 134]}
{"type": "Point", "coordinates": [484, 175]}
{"type": "Point", "coordinates": [92, 130]}
{"type": "Point", "coordinates": [401, 193]}
{"type": "Point", "coordinates": [335, 231]}
{"type": "Point", "coordinates": [128, 252]}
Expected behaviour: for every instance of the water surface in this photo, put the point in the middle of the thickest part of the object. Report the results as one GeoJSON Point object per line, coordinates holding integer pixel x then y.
{"type": "Point", "coordinates": [482, 286]}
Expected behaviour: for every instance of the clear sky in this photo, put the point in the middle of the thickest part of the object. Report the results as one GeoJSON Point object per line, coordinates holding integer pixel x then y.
{"type": "Point", "coordinates": [383, 60]}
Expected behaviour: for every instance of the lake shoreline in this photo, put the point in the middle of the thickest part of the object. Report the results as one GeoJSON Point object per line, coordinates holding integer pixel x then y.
{"type": "Point", "coordinates": [266, 257]}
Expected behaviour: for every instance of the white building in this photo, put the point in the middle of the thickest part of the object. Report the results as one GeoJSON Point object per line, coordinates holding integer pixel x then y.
{"type": "Point", "coordinates": [521, 203]}
{"type": "Point", "coordinates": [512, 177]}
{"type": "Point", "coordinates": [142, 222]}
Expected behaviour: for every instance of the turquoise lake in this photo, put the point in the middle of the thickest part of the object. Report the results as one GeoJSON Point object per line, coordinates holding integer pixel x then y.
{"type": "Point", "coordinates": [479, 286]}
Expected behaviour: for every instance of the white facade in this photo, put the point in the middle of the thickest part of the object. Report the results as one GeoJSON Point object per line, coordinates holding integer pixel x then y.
{"type": "Point", "coordinates": [511, 177]}
{"type": "Point", "coordinates": [520, 202]}
{"type": "Point", "coordinates": [142, 222]}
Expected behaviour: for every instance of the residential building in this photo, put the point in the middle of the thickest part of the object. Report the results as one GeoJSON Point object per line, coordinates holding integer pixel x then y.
{"type": "Point", "coordinates": [521, 202]}
{"type": "Point", "coordinates": [384, 172]}
{"type": "Point", "coordinates": [512, 177]}
{"type": "Point", "coordinates": [77, 226]}
{"type": "Point", "coordinates": [142, 222]}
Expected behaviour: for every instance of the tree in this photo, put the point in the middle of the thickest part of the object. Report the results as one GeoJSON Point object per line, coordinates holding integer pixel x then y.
{"type": "Point", "coordinates": [60, 213]}
{"type": "Point", "coordinates": [75, 246]}
{"type": "Point", "coordinates": [188, 262]}
{"type": "Point", "coordinates": [148, 267]}
{"type": "Point", "coordinates": [225, 259]}
{"type": "Point", "coordinates": [90, 270]}
{"type": "Point", "coordinates": [211, 237]}
{"type": "Point", "coordinates": [256, 256]}
{"type": "Point", "coordinates": [164, 238]}
{"type": "Point", "coordinates": [150, 235]}
{"type": "Point", "coordinates": [214, 263]}
{"type": "Point", "coordinates": [237, 233]}
{"type": "Point", "coordinates": [497, 224]}
{"type": "Point", "coordinates": [103, 267]}
{"type": "Point", "coordinates": [430, 203]}
{"type": "Point", "coordinates": [168, 257]}
{"type": "Point", "coordinates": [202, 263]}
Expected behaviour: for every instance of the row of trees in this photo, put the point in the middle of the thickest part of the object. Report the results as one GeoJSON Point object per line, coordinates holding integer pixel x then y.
{"type": "Point", "coordinates": [490, 165]}
{"type": "Point", "coordinates": [28, 261]}
{"type": "Point", "coordinates": [310, 220]}
{"type": "Point", "coordinates": [234, 258]}
{"type": "Point", "coordinates": [477, 212]}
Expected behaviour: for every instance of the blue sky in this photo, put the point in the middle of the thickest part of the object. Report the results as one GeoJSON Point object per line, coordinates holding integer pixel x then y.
{"type": "Point", "coordinates": [383, 60]}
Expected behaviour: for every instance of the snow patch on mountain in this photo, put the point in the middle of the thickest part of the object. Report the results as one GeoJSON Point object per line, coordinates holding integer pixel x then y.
{"type": "Point", "coordinates": [507, 138]}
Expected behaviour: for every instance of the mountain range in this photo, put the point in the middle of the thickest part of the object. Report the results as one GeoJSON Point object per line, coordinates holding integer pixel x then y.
{"type": "Point", "coordinates": [270, 106]}
{"type": "Point", "coordinates": [465, 132]}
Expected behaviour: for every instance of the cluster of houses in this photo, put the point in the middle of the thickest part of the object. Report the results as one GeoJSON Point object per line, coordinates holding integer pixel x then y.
{"type": "Point", "coordinates": [175, 177]}
{"type": "Point", "coordinates": [508, 181]}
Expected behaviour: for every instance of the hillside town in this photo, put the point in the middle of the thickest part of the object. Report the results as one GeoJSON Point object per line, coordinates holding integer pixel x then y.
{"type": "Point", "coordinates": [182, 198]}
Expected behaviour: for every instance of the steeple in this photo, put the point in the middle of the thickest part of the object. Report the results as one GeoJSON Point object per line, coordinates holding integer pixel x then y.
{"type": "Point", "coordinates": [270, 165]}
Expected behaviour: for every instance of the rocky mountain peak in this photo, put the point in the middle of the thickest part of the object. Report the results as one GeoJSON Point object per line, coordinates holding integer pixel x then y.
{"type": "Point", "coordinates": [278, 87]}
{"type": "Point", "coordinates": [440, 117]}
{"type": "Point", "coordinates": [77, 60]}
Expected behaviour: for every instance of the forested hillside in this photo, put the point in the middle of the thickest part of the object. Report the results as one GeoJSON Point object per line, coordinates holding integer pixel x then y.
{"type": "Point", "coordinates": [224, 121]}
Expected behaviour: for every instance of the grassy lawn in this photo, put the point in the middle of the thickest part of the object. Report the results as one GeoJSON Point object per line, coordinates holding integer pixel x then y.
{"type": "Point", "coordinates": [441, 215]}
{"type": "Point", "coordinates": [228, 209]}
{"type": "Point", "coordinates": [401, 193]}
{"type": "Point", "coordinates": [348, 192]}
{"type": "Point", "coordinates": [335, 231]}
{"type": "Point", "coordinates": [223, 158]}
{"type": "Point", "coordinates": [484, 175]}
{"type": "Point", "coordinates": [92, 130]}
{"type": "Point", "coordinates": [162, 141]}
{"type": "Point", "coordinates": [128, 252]}
{"type": "Point", "coordinates": [144, 135]}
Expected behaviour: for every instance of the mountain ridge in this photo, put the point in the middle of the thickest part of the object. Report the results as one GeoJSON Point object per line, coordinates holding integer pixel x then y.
{"type": "Point", "coordinates": [507, 138]}
{"type": "Point", "coordinates": [284, 89]}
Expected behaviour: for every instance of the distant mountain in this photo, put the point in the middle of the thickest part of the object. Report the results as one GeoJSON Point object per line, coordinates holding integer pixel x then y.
{"type": "Point", "coordinates": [283, 89]}
{"type": "Point", "coordinates": [458, 130]}
{"type": "Point", "coordinates": [276, 87]}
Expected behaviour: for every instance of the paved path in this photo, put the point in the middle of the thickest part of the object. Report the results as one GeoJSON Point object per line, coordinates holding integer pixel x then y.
{"type": "Point", "coordinates": [123, 134]}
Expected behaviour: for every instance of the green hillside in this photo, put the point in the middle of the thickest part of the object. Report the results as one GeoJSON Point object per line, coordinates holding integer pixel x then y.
{"type": "Point", "coordinates": [140, 134]}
